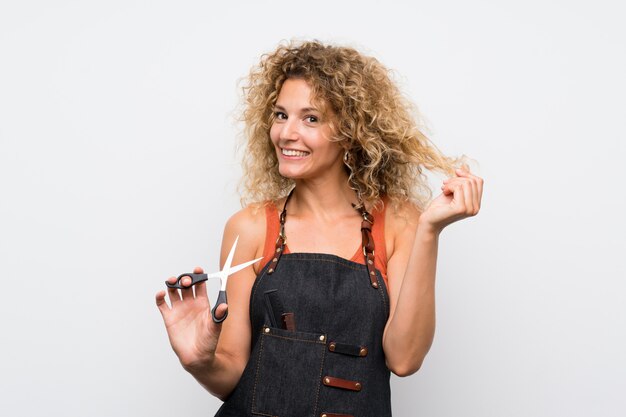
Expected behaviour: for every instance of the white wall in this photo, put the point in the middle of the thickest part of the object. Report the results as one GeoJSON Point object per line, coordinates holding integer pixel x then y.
{"type": "Point", "coordinates": [117, 170]}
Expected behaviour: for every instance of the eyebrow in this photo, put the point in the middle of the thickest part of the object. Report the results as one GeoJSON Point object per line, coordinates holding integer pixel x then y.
{"type": "Point", "coordinates": [304, 110]}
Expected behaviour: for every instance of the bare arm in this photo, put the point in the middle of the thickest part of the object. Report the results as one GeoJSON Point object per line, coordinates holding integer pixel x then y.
{"type": "Point", "coordinates": [411, 326]}
{"type": "Point", "coordinates": [412, 267]}
{"type": "Point", "coordinates": [216, 354]}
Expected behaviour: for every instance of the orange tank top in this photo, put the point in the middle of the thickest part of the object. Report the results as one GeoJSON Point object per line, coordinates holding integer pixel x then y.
{"type": "Point", "coordinates": [378, 233]}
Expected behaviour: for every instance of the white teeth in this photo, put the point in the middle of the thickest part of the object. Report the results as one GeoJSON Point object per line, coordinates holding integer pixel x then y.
{"type": "Point", "coordinates": [291, 152]}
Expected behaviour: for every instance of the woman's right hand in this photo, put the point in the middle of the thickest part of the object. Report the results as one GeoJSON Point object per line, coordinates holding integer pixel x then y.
{"type": "Point", "coordinates": [192, 332]}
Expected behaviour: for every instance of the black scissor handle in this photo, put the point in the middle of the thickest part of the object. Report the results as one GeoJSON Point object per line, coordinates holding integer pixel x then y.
{"type": "Point", "coordinates": [195, 279]}
{"type": "Point", "coordinates": [221, 299]}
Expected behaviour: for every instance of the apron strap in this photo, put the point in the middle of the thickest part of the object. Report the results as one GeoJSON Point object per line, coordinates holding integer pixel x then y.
{"type": "Point", "coordinates": [368, 243]}
{"type": "Point", "coordinates": [281, 241]}
{"type": "Point", "coordinates": [367, 240]}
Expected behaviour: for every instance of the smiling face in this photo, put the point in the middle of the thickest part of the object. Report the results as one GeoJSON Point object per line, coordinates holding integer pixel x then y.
{"type": "Point", "coordinates": [301, 135]}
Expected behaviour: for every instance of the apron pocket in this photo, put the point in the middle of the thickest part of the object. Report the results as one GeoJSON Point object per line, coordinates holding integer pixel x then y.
{"type": "Point", "coordinates": [288, 373]}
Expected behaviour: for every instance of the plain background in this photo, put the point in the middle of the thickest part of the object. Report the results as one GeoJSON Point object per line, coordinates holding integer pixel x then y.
{"type": "Point", "coordinates": [118, 169]}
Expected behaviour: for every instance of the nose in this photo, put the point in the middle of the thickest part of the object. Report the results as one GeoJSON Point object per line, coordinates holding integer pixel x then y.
{"type": "Point", "coordinates": [290, 129]}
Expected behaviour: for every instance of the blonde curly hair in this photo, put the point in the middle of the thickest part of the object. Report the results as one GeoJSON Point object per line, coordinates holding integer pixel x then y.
{"type": "Point", "coordinates": [374, 123]}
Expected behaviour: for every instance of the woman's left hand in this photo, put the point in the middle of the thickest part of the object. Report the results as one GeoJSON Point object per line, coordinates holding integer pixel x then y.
{"type": "Point", "coordinates": [460, 198]}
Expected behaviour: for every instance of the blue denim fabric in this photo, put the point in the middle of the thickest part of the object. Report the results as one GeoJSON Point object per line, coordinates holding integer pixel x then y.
{"type": "Point", "coordinates": [333, 301]}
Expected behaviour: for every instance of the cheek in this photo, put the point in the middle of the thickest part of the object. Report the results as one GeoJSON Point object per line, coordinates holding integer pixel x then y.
{"type": "Point", "coordinates": [274, 133]}
{"type": "Point", "coordinates": [335, 149]}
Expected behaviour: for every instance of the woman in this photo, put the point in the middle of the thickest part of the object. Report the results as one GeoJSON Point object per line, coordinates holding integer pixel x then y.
{"type": "Point", "coordinates": [315, 328]}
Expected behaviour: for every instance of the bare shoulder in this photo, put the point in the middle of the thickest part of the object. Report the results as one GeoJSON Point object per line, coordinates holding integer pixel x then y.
{"type": "Point", "coordinates": [249, 225]}
{"type": "Point", "coordinates": [250, 218]}
{"type": "Point", "coordinates": [401, 225]}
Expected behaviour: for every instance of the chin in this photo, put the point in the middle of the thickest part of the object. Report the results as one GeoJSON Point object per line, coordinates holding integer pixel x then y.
{"type": "Point", "coordinates": [291, 173]}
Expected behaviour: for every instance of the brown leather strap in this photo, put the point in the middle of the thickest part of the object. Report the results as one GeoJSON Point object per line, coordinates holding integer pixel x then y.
{"type": "Point", "coordinates": [367, 240]}
{"type": "Point", "coordinates": [281, 241]}
{"type": "Point", "coordinates": [325, 414]}
{"type": "Point", "coordinates": [368, 244]}
{"type": "Point", "coordinates": [345, 349]}
{"type": "Point", "coordinates": [331, 381]}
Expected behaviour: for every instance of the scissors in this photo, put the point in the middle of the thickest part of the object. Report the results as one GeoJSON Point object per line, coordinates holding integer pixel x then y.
{"type": "Point", "coordinates": [222, 275]}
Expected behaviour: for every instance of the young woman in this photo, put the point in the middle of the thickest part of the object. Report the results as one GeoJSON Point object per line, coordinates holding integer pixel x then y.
{"type": "Point", "coordinates": [334, 166]}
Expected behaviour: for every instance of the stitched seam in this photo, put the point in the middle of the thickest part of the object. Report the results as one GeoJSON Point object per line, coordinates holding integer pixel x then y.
{"type": "Point", "coordinates": [255, 286]}
{"type": "Point", "coordinates": [382, 294]}
{"type": "Point", "coordinates": [327, 260]}
{"type": "Point", "coordinates": [319, 382]}
{"type": "Point", "coordinates": [267, 232]}
{"type": "Point", "coordinates": [256, 378]}
{"type": "Point", "coordinates": [263, 414]}
{"type": "Point", "coordinates": [293, 338]}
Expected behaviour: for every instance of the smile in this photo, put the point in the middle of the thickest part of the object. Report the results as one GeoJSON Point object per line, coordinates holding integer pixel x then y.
{"type": "Point", "coordinates": [293, 152]}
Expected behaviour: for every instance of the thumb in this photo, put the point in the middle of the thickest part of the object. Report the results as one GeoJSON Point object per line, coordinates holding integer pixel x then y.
{"type": "Point", "coordinates": [220, 312]}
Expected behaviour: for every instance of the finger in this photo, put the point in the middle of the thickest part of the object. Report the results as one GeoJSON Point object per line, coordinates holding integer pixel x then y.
{"type": "Point", "coordinates": [462, 172]}
{"type": "Point", "coordinates": [468, 196]}
{"type": "Point", "coordinates": [476, 194]}
{"type": "Point", "coordinates": [161, 304]}
{"type": "Point", "coordinates": [479, 184]}
{"type": "Point", "coordinates": [475, 199]}
{"type": "Point", "coordinates": [458, 197]}
{"type": "Point", "coordinates": [201, 287]}
{"type": "Point", "coordinates": [173, 292]}
{"type": "Point", "coordinates": [467, 174]}
{"type": "Point", "coordinates": [450, 183]}
{"type": "Point", "coordinates": [201, 290]}
{"type": "Point", "coordinates": [476, 184]}
{"type": "Point", "coordinates": [187, 291]}
{"type": "Point", "coordinates": [220, 312]}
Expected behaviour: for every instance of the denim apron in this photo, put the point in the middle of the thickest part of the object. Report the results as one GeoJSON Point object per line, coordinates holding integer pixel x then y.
{"type": "Point", "coordinates": [317, 329]}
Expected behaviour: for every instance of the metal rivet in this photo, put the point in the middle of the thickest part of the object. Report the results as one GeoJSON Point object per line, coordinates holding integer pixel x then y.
{"type": "Point", "coordinates": [324, 415]}
{"type": "Point", "coordinates": [375, 284]}
{"type": "Point", "coordinates": [331, 347]}
{"type": "Point", "coordinates": [278, 249]}
{"type": "Point", "coordinates": [322, 337]}
{"type": "Point", "coordinates": [372, 273]}
{"type": "Point", "coordinates": [275, 260]}
{"type": "Point", "coordinates": [266, 330]}
{"type": "Point", "coordinates": [357, 385]}
{"type": "Point", "coordinates": [363, 352]}
{"type": "Point", "coordinates": [270, 270]}
{"type": "Point", "coordinates": [369, 261]}
{"type": "Point", "coordinates": [326, 380]}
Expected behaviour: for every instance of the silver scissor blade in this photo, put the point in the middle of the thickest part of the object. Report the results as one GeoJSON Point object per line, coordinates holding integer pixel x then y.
{"type": "Point", "coordinates": [233, 270]}
{"type": "Point", "coordinates": [242, 266]}
{"type": "Point", "coordinates": [229, 261]}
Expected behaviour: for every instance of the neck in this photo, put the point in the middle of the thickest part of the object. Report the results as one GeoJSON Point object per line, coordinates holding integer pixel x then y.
{"type": "Point", "coordinates": [323, 196]}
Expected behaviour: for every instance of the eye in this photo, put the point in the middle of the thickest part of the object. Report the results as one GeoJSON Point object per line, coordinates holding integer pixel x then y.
{"type": "Point", "coordinates": [311, 119]}
{"type": "Point", "coordinates": [280, 115]}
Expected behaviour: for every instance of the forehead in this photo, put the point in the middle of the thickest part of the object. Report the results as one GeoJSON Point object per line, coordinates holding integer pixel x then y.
{"type": "Point", "coordinates": [298, 93]}
{"type": "Point", "coordinates": [295, 89]}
